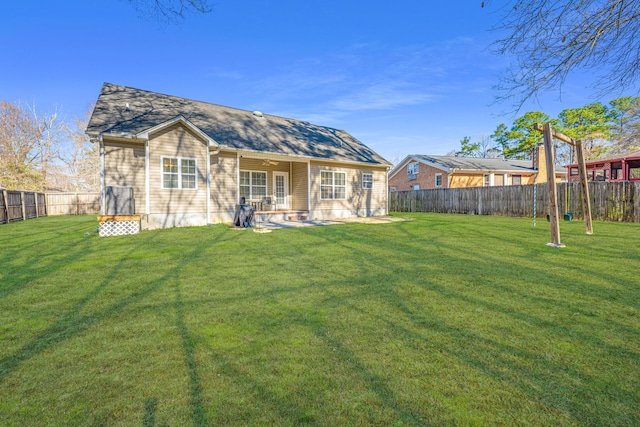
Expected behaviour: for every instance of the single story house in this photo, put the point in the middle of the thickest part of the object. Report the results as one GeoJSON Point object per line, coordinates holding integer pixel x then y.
{"type": "Point", "coordinates": [617, 168]}
{"type": "Point", "coordinates": [190, 162]}
{"type": "Point", "coordinates": [421, 172]}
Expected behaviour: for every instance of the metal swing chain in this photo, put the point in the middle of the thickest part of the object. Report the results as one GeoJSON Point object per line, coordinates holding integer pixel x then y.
{"type": "Point", "coordinates": [535, 177]}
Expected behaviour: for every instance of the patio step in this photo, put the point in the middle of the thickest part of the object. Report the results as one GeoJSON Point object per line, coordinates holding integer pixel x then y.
{"type": "Point", "coordinates": [288, 215]}
{"type": "Point", "coordinates": [299, 216]}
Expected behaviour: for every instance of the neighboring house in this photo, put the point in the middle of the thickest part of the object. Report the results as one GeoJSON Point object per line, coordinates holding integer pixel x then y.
{"type": "Point", "coordinates": [190, 162]}
{"type": "Point", "coordinates": [421, 172]}
{"type": "Point", "coordinates": [619, 168]}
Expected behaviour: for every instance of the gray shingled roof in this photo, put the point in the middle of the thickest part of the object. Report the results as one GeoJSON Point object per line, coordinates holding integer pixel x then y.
{"type": "Point", "coordinates": [625, 155]}
{"type": "Point", "coordinates": [126, 110]}
{"type": "Point", "coordinates": [474, 163]}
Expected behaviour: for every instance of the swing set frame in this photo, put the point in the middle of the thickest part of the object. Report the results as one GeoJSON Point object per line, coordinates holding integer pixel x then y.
{"type": "Point", "coordinates": [550, 157]}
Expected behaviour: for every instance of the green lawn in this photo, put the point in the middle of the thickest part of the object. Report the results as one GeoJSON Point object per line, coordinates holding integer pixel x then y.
{"type": "Point", "coordinates": [445, 320]}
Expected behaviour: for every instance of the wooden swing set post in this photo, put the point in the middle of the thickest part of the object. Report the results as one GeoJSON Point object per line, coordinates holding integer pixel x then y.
{"type": "Point", "coordinates": [584, 186]}
{"type": "Point", "coordinates": [549, 134]}
{"type": "Point", "coordinates": [549, 152]}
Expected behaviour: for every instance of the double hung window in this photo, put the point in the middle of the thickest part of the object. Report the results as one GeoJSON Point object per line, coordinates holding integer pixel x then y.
{"type": "Point", "coordinates": [367, 180]}
{"type": "Point", "coordinates": [253, 185]}
{"type": "Point", "coordinates": [333, 185]}
{"type": "Point", "coordinates": [179, 173]}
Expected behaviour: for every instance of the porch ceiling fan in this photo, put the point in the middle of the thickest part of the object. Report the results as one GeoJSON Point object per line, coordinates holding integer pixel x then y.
{"type": "Point", "coordinates": [267, 162]}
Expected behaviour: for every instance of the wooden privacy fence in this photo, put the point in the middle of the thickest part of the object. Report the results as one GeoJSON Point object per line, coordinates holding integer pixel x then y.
{"type": "Point", "coordinates": [21, 205]}
{"type": "Point", "coordinates": [73, 203]}
{"type": "Point", "coordinates": [610, 201]}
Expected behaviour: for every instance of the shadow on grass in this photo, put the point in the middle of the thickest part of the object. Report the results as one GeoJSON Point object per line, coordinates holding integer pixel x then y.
{"type": "Point", "coordinates": [515, 364]}
{"type": "Point", "coordinates": [73, 323]}
{"type": "Point", "coordinates": [285, 408]}
{"type": "Point", "coordinates": [35, 265]}
{"type": "Point", "coordinates": [376, 384]}
{"type": "Point", "coordinates": [150, 406]}
{"type": "Point", "coordinates": [199, 412]}
{"type": "Point", "coordinates": [535, 372]}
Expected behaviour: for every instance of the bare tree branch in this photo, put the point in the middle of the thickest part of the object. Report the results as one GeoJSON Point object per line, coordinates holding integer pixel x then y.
{"type": "Point", "coordinates": [170, 11]}
{"type": "Point", "coordinates": [549, 40]}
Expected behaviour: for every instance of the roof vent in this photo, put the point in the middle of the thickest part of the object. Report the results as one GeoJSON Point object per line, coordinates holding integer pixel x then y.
{"type": "Point", "coordinates": [257, 113]}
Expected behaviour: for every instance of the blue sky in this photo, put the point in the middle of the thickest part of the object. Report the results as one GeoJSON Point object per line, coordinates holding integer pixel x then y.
{"type": "Point", "coordinates": [403, 77]}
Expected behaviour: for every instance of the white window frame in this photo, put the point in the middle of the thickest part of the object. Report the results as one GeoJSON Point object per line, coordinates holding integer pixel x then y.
{"type": "Point", "coordinates": [416, 187]}
{"type": "Point", "coordinates": [435, 180]}
{"type": "Point", "coordinates": [179, 173]}
{"type": "Point", "coordinates": [367, 184]}
{"type": "Point", "coordinates": [413, 168]}
{"type": "Point", "coordinates": [333, 185]}
{"type": "Point", "coordinates": [251, 184]}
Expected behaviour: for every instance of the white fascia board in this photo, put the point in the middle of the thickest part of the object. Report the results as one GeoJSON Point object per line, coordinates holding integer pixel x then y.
{"type": "Point", "coordinates": [180, 119]}
{"type": "Point", "coordinates": [128, 139]}
{"type": "Point", "coordinates": [399, 166]}
{"type": "Point", "coordinates": [498, 171]}
{"type": "Point", "coordinates": [432, 164]}
{"type": "Point", "coordinates": [407, 159]}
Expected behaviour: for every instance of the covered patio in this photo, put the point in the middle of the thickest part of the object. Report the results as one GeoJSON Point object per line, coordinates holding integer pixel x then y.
{"type": "Point", "coordinates": [274, 184]}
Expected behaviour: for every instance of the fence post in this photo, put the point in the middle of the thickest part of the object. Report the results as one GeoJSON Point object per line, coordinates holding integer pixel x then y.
{"type": "Point", "coordinates": [24, 216]}
{"type": "Point", "coordinates": [35, 196]}
{"type": "Point", "coordinates": [6, 205]}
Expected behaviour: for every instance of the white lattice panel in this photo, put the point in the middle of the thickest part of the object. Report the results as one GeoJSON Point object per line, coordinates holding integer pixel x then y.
{"type": "Point", "coordinates": [118, 228]}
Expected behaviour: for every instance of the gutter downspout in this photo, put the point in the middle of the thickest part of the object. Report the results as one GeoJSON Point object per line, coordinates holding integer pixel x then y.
{"type": "Point", "coordinates": [211, 153]}
{"type": "Point", "coordinates": [237, 179]}
{"type": "Point", "coordinates": [387, 188]}
{"type": "Point", "coordinates": [309, 187]}
{"type": "Point", "coordinates": [147, 196]}
{"type": "Point", "coordinates": [102, 177]}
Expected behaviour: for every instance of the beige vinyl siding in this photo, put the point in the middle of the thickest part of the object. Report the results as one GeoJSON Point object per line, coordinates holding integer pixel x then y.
{"type": "Point", "coordinates": [124, 166]}
{"type": "Point", "coordinates": [299, 186]}
{"type": "Point", "coordinates": [358, 201]}
{"type": "Point", "coordinates": [224, 184]}
{"type": "Point", "coordinates": [177, 141]}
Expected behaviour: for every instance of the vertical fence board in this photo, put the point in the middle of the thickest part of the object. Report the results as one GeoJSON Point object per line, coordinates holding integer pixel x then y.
{"type": "Point", "coordinates": [14, 205]}
{"type": "Point", "coordinates": [4, 208]}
